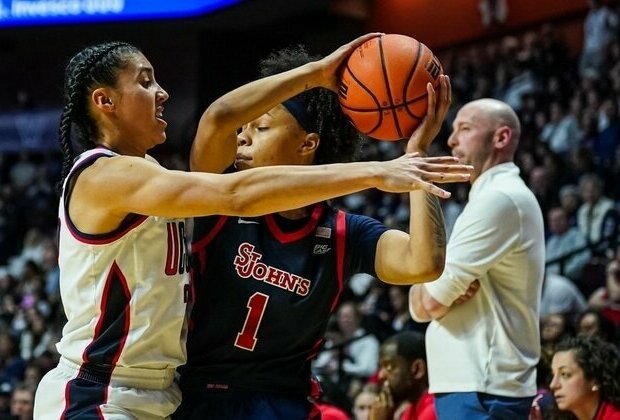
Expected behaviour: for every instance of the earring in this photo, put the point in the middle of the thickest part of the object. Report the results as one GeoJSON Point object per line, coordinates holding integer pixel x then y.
{"type": "Point", "coordinates": [594, 388]}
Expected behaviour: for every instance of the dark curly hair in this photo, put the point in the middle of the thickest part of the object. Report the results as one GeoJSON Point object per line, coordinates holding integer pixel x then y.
{"type": "Point", "coordinates": [340, 142]}
{"type": "Point", "coordinates": [599, 361]}
{"type": "Point", "coordinates": [92, 67]}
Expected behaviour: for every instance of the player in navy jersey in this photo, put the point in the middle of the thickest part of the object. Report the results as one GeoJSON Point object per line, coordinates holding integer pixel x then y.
{"type": "Point", "coordinates": [123, 261]}
{"type": "Point", "coordinates": [265, 287]}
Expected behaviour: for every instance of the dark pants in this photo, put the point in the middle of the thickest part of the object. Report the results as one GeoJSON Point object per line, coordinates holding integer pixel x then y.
{"type": "Point", "coordinates": [478, 405]}
{"type": "Point", "coordinates": [240, 405]}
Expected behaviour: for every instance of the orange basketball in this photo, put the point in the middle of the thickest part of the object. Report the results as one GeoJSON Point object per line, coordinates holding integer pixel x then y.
{"type": "Point", "coordinates": [383, 86]}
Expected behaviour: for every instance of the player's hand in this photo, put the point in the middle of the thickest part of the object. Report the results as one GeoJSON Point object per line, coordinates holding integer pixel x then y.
{"type": "Point", "coordinates": [383, 407]}
{"type": "Point", "coordinates": [438, 105]}
{"type": "Point", "coordinates": [330, 65]}
{"type": "Point", "coordinates": [469, 293]}
{"type": "Point", "coordinates": [413, 172]}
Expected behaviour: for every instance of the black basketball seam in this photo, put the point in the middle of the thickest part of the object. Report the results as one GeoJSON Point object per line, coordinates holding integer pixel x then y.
{"type": "Point", "coordinates": [372, 95]}
{"type": "Point", "coordinates": [349, 108]}
{"type": "Point", "coordinates": [415, 65]}
{"type": "Point", "coordinates": [389, 90]}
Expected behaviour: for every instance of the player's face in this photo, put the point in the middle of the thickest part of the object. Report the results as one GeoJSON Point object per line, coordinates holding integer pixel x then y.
{"type": "Point", "coordinates": [471, 138]}
{"type": "Point", "coordinates": [394, 371]}
{"type": "Point", "coordinates": [571, 389]}
{"type": "Point", "coordinates": [274, 138]}
{"type": "Point", "coordinates": [138, 103]}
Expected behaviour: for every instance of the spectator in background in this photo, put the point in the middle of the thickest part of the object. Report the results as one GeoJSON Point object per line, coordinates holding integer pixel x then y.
{"type": "Point", "coordinates": [590, 323]}
{"type": "Point", "coordinates": [358, 359]}
{"type": "Point", "coordinates": [600, 28]}
{"type": "Point", "coordinates": [570, 201]}
{"type": "Point", "coordinates": [606, 141]}
{"type": "Point", "coordinates": [404, 394]}
{"type": "Point", "coordinates": [560, 296]}
{"type": "Point", "coordinates": [607, 299]}
{"type": "Point", "coordinates": [562, 240]}
{"type": "Point", "coordinates": [401, 321]}
{"type": "Point", "coordinates": [22, 402]}
{"type": "Point", "coordinates": [561, 132]}
{"type": "Point", "coordinates": [597, 217]}
{"type": "Point", "coordinates": [363, 403]}
{"type": "Point", "coordinates": [586, 380]}
{"type": "Point", "coordinates": [11, 364]}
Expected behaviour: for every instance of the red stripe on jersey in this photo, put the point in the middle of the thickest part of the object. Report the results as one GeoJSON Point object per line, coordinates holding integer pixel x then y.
{"type": "Point", "coordinates": [341, 229]}
{"type": "Point", "coordinates": [284, 237]}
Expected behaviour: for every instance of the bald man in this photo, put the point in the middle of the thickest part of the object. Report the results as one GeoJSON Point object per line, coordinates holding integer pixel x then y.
{"type": "Point", "coordinates": [483, 340]}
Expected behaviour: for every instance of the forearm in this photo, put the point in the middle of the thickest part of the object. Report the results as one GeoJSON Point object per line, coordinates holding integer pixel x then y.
{"type": "Point", "coordinates": [427, 235]}
{"type": "Point", "coordinates": [253, 99]}
{"type": "Point", "coordinates": [278, 188]}
{"type": "Point", "coordinates": [416, 308]}
{"type": "Point", "coordinates": [215, 144]}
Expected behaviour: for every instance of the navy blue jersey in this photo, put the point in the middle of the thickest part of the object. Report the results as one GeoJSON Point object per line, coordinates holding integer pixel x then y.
{"type": "Point", "coordinates": [264, 289]}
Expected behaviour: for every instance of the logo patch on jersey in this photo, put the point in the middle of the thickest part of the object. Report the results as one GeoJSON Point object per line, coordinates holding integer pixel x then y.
{"type": "Point", "coordinates": [247, 222]}
{"type": "Point", "coordinates": [248, 265]}
{"type": "Point", "coordinates": [321, 249]}
{"type": "Point", "coordinates": [323, 232]}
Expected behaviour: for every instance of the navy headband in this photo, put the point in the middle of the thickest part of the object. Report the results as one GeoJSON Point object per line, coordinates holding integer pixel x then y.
{"type": "Point", "coordinates": [297, 109]}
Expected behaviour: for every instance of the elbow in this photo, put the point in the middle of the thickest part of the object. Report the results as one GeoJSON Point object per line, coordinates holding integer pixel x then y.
{"type": "Point", "coordinates": [433, 270]}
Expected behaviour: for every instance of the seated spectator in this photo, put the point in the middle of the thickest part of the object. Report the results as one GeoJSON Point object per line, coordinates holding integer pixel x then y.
{"type": "Point", "coordinates": [22, 402]}
{"type": "Point", "coordinates": [570, 201]}
{"type": "Point", "coordinates": [561, 132]}
{"type": "Point", "coordinates": [597, 217]}
{"type": "Point", "coordinates": [607, 299]}
{"type": "Point", "coordinates": [404, 395]}
{"type": "Point", "coordinates": [363, 403]}
{"type": "Point", "coordinates": [564, 239]}
{"type": "Point", "coordinates": [11, 364]}
{"type": "Point", "coordinates": [590, 323]}
{"type": "Point", "coordinates": [585, 381]}
{"type": "Point", "coordinates": [402, 321]}
{"type": "Point", "coordinates": [560, 295]}
{"type": "Point", "coordinates": [553, 329]}
{"type": "Point", "coordinates": [358, 358]}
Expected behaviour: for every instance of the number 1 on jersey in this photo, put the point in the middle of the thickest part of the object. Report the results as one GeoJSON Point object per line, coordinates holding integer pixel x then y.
{"type": "Point", "coordinates": [246, 339]}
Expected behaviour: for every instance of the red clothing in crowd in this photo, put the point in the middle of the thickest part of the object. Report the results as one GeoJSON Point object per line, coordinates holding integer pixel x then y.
{"type": "Point", "coordinates": [607, 411]}
{"type": "Point", "coordinates": [423, 409]}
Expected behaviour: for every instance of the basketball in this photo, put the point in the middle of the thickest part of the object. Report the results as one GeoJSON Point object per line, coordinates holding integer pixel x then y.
{"type": "Point", "coordinates": [382, 87]}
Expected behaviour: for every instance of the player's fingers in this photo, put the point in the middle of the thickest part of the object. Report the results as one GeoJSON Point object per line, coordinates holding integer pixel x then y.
{"type": "Point", "coordinates": [431, 100]}
{"type": "Point", "coordinates": [433, 189]}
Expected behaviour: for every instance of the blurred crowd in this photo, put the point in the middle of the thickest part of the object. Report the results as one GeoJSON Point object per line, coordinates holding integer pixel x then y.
{"type": "Point", "coordinates": [569, 156]}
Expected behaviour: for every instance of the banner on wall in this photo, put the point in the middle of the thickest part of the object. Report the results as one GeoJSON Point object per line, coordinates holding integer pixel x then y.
{"type": "Point", "coordinates": [32, 130]}
{"type": "Point", "coordinates": [52, 12]}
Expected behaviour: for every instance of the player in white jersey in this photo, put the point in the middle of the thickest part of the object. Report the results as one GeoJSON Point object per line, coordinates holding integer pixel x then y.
{"type": "Point", "coordinates": [124, 280]}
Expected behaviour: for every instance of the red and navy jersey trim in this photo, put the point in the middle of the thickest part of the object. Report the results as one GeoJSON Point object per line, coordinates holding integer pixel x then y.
{"type": "Point", "coordinates": [287, 237]}
{"type": "Point", "coordinates": [89, 390]}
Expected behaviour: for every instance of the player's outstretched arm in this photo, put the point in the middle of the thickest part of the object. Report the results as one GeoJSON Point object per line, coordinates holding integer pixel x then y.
{"type": "Point", "coordinates": [120, 185]}
{"type": "Point", "coordinates": [214, 145]}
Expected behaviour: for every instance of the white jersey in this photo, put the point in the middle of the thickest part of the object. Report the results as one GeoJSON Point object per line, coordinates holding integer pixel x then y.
{"type": "Point", "coordinates": [124, 293]}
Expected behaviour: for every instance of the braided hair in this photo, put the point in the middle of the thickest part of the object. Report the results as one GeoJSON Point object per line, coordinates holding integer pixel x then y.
{"type": "Point", "coordinates": [340, 142]}
{"type": "Point", "coordinates": [92, 67]}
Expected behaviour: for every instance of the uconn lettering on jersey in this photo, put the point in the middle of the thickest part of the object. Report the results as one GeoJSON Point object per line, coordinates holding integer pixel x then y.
{"type": "Point", "coordinates": [247, 263]}
{"type": "Point", "coordinates": [177, 258]}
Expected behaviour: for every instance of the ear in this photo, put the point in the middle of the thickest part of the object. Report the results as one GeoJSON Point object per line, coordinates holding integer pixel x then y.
{"type": "Point", "coordinates": [102, 100]}
{"type": "Point", "coordinates": [503, 137]}
{"type": "Point", "coordinates": [418, 369]}
{"type": "Point", "coordinates": [310, 144]}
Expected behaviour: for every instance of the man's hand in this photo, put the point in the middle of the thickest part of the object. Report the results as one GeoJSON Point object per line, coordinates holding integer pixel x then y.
{"type": "Point", "coordinates": [469, 293]}
{"type": "Point", "coordinates": [383, 407]}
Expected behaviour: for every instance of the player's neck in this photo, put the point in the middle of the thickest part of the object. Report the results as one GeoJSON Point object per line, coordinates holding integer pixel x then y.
{"type": "Point", "coordinates": [295, 214]}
